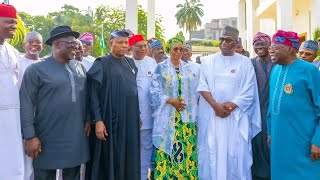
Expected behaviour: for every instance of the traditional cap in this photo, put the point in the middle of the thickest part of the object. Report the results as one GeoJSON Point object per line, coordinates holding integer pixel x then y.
{"type": "Point", "coordinates": [311, 45]}
{"type": "Point", "coordinates": [187, 46]}
{"type": "Point", "coordinates": [230, 31]}
{"type": "Point", "coordinates": [86, 39]}
{"type": "Point", "coordinates": [171, 42]}
{"type": "Point", "coordinates": [287, 38]}
{"type": "Point", "coordinates": [155, 44]}
{"type": "Point", "coordinates": [261, 37]}
{"type": "Point", "coordinates": [59, 32]}
{"type": "Point", "coordinates": [119, 33]}
{"type": "Point", "coordinates": [240, 41]}
{"type": "Point", "coordinates": [7, 10]}
{"type": "Point", "coordinates": [135, 38]}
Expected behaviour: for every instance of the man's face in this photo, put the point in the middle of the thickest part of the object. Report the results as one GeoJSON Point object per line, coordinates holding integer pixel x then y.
{"type": "Point", "coordinates": [119, 46]}
{"type": "Point", "coordinates": [139, 49]}
{"type": "Point", "coordinates": [8, 27]}
{"type": "Point", "coordinates": [261, 48]}
{"type": "Point", "coordinates": [238, 48]}
{"type": "Point", "coordinates": [33, 45]}
{"type": "Point", "coordinates": [227, 44]}
{"type": "Point", "coordinates": [86, 49]}
{"type": "Point", "coordinates": [279, 53]}
{"type": "Point", "coordinates": [186, 55]}
{"type": "Point", "coordinates": [306, 55]}
{"type": "Point", "coordinates": [79, 52]}
{"type": "Point", "coordinates": [158, 52]}
{"type": "Point", "coordinates": [67, 47]}
{"type": "Point", "coordinates": [176, 51]}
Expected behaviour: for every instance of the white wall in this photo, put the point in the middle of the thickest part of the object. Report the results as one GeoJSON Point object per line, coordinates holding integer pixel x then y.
{"type": "Point", "coordinates": [268, 26]}
{"type": "Point", "coordinates": [301, 17]}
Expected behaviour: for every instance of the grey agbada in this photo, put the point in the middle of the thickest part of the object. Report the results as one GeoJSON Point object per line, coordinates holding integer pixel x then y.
{"type": "Point", "coordinates": [260, 149]}
{"type": "Point", "coordinates": [53, 109]}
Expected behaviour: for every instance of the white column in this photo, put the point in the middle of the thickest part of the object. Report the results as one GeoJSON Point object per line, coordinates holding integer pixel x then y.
{"type": "Point", "coordinates": [253, 25]}
{"type": "Point", "coordinates": [151, 28]}
{"type": "Point", "coordinates": [132, 15]}
{"type": "Point", "coordinates": [285, 15]}
{"type": "Point", "coordinates": [315, 15]}
{"type": "Point", "coordinates": [242, 22]}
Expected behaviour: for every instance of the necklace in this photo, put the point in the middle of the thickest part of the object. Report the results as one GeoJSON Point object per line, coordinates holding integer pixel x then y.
{"type": "Point", "coordinates": [132, 69]}
{"type": "Point", "coordinates": [277, 111]}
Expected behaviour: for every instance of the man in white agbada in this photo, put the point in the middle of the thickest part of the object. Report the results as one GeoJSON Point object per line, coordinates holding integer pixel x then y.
{"type": "Point", "coordinates": [11, 149]}
{"type": "Point", "coordinates": [195, 68]}
{"type": "Point", "coordinates": [146, 67]}
{"type": "Point", "coordinates": [229, 112]}
{"type": "Point", "coordinates": [33, 45]}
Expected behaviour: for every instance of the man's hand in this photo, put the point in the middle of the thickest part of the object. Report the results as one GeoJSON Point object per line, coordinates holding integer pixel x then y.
{"type": "Point", "coordinates": [269, 141]}
{"type": "Point", "coordinates": [87, 128]}
{"type": "Point", "coordinates": [315, 153]}
{"type": "Point", "coordinates": [33, 147]}
{"type": "Point", "coordinates": [177, 103]}
{"type": "Point", "coordinates": [101, 131]}
{"type": "Point", "coordinates": [229, 106]}
{"type": "Point", "coordinates": [220, 110]}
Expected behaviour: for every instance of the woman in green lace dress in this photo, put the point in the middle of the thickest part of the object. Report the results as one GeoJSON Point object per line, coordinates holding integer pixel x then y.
{"type": "Point", "coordinates": [174, 101]}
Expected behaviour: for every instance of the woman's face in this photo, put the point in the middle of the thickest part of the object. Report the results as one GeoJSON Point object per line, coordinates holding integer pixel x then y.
{"type": "Point", "coordinates": [176, 51]}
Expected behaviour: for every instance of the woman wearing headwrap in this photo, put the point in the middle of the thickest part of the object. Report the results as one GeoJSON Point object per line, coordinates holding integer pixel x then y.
{"type": "Point", "coordinates": [173, 100]}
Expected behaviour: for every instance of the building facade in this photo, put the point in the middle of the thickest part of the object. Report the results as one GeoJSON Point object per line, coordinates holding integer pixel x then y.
{"type": "Point", "coordinates": [301, 16]}
{"type": "Point", "coordinates": [213, 29]}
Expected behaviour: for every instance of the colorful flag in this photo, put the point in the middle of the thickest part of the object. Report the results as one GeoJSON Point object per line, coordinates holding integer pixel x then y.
{"type": "Point", "coordinates": [102, 46]}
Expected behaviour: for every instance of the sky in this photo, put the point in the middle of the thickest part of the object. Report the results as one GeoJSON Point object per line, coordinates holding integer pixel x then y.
{"type": "Point", "coordinates": [166, 8]}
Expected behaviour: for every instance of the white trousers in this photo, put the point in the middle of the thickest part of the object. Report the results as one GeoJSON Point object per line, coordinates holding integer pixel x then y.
{"type": "Point", "coordinates": [11, 146]}
{"type": "Point", "coordinates": [146, 148]}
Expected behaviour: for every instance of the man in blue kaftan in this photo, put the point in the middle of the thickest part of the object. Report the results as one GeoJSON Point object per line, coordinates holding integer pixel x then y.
{"type": "Point", "coordinates": [294, 112]}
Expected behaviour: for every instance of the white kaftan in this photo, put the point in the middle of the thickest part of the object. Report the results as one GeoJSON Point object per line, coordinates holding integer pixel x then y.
{"type": "Point", "coordinates": [146, 68]}
{"type": "Point", "coordinates": [87, 62]}
{"type": "Point", "coordinates": [11, 151]}
{"type": "Point", "coordinates": [225, 144]}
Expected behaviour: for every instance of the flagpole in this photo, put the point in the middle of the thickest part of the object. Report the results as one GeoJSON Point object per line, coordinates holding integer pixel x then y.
{"type": "Point", "coordinates": [102, 40]}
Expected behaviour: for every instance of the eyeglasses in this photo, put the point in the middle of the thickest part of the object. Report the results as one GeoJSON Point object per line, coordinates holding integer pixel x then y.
{"type": "Point", "coordinates": [260, 45]}
{"type": "Point", "coordinates": [34, 42]}
{"type": "Point", "coordinates": [227, 40]}
{"type": "Point", "coordinates": [70, 43]}
{"type": "Point", "coordinates": [141, 46]}
{"type": "Point", "coordinates": [177, 49]}
{"type": "Point", "coordinates": [306, 53]}
{"type": "Point", "coordinates": [275, 47]}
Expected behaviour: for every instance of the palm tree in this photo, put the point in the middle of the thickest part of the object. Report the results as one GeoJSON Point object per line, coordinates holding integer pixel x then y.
{"type": "Point", "coordinates": [189, 15]}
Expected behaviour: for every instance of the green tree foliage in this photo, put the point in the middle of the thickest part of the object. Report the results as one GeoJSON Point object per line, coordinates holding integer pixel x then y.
{"type": "Point", "coordinates": [316, 35]}
{"type": "Point", "coordinates": [87, 21]}
{"type": "Point", "coordinates": [189, 15]}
